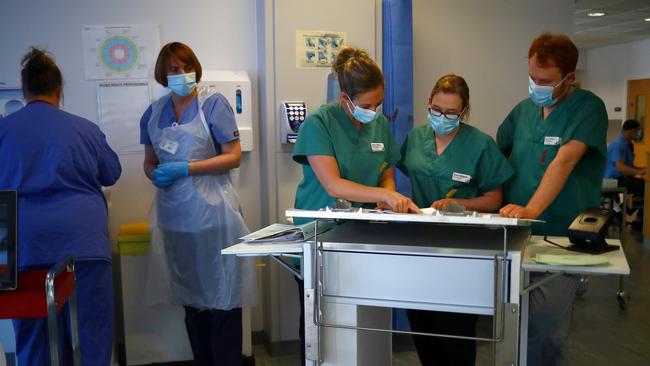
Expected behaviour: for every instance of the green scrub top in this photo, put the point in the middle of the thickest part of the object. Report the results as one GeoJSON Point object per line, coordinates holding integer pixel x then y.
{"type": "Point", "coordinates": [532, 142]}
{"type": "Point", "coordinates": [472, 164]}
{"type": "Point", "coordinates": [362, 155]}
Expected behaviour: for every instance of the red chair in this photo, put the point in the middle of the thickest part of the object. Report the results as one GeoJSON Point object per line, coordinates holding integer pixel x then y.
{"type": "Point", "coordinates": [33, 300]}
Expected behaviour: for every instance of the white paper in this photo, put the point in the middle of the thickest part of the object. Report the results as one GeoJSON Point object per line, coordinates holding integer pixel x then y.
{"type": "Point", "coordinates": [120, 106]}
{"type": "Point", "coordinates": [120, 52]}
{"type": "Point", "coordinates": [318, 49]}
{"type": "Point", "coordinates": [275, 232]}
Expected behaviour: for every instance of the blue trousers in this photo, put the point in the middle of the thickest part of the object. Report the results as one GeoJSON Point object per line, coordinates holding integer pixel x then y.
{"type": "Point", "coordinates": [95, 315]}
{"type": "Point", "coordinates": [215, 336]}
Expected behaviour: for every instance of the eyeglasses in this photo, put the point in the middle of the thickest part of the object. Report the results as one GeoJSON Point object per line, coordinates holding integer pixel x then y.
{"type": "Point", "coordinates": [438, 113]}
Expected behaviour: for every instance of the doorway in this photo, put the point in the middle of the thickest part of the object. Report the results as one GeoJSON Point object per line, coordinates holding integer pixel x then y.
{"type": "Point", "coordinates": [638, 102]}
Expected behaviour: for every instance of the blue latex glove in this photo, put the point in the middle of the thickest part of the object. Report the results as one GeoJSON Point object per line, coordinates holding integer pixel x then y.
{"type": "Point", "coordinates": [160, 180]}
{"type": "Point", "coordinates": [166, 174]}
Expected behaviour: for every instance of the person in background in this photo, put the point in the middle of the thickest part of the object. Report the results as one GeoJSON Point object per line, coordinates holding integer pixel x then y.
{"type": "Point", "coordinates": [620, 163]}
{"type": "Point", "coordinates": [58, 163]}
{"type": "Point", "coordinates": [191, 144]}
{"type": "Point", "coordinates": [448, 161]}
{"type": "Point", "coordinates": [555, 143]}
{"type": "Point", "coordinates": [346, 148]}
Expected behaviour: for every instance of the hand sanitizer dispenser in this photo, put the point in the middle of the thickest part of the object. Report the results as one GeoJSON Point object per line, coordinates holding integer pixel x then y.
{"type": "Point", "coordinates": [293, 114]}
{"type": "Point", "coordinates": [236, 87]}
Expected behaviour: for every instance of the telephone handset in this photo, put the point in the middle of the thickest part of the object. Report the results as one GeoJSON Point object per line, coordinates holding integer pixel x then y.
{"type": "Point", "coordinates": [588, 230]}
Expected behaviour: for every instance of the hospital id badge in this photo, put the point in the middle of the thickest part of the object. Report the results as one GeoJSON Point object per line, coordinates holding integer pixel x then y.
{"type": "Point", "coordinates": [463, 178]}
{"type": "Point", "coordinates": [169, 146]}
{"type": "Point", "coordinates": [377, 146]}
{"type": "Point", "coordinates": [552, 140]}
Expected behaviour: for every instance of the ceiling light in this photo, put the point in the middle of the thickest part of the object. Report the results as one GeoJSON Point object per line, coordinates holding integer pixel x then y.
{"type": "Point", "coordinates": [595, 14]}
{"type": "Point", "coordinates": [647, 19]}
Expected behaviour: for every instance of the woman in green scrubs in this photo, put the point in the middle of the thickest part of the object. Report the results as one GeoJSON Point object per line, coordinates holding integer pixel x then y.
{"type": "Point", "coordinates": [448, 161]}
{"type": "Point", "coordinates": [347, 150]}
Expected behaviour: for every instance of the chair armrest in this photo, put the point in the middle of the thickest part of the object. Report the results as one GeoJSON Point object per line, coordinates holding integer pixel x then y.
{"type": "Point", "coordinates": [67, 265]}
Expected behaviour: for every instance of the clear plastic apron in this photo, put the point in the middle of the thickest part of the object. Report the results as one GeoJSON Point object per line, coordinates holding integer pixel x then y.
{"type": "Point", "coordinates": [191, 221]}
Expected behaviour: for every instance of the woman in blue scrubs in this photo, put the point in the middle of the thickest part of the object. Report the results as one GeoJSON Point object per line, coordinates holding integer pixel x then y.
{"type": "Point", "coordinates": [191, 145]}
{"type": "Point", "coordinates": [58, 163]}
{"type": "Point", "coordinates": [448, 161]}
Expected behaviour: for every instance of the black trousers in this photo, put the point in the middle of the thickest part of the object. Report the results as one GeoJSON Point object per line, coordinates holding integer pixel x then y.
{"type": "Point", "coordinates": [634, 185]}
{"type": "Point", "coordinates": [215, 336]}
{"type": "Point", "coordinates": [301, 328]}
{"type": "Point", "coordinates": [444, 351]}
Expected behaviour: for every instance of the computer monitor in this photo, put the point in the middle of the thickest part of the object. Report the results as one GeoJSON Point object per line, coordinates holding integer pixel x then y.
{"type": "Point", "coordinates": [8, 240]}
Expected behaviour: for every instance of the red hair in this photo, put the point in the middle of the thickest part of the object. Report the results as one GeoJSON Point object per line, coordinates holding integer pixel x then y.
{"type": "Point", "coordinates": [555, 50]}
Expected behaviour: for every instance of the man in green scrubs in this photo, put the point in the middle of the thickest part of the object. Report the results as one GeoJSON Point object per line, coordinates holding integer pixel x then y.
{"type": "Point", "coordinates": [556, 145]}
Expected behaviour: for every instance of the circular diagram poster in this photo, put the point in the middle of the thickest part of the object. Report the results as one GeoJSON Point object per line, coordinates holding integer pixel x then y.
{"type": "Point", "coordinates": [120, 52]}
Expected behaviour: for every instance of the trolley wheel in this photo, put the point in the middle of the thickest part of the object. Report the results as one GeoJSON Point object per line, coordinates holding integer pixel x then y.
{"type": "Point", "coordinates": [582, 286]}
{"type": "Point", "coordinates": [248, 360]}
{"type": "Point", "coordinates": [622, 303]}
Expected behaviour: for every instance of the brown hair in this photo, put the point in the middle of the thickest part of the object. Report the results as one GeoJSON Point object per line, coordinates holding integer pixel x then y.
{"type": "Point", "coordinates": [40, 76]}
{"type": "Point", "coordinates": [357, 72]}
{"type": "Point", "coordinates": [181, 51]}
{"type": "Point", "coordinates": [453, 84]}
{"type": "Point", "coordinates": [555, 50]}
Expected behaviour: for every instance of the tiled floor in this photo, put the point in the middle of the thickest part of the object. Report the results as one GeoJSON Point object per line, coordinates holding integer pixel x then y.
{"type": "Point", "coordinates": [601, 333]}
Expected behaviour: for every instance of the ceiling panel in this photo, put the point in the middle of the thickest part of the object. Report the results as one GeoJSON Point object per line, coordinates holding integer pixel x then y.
{"type": "Point", "coordinates": [623, 22]}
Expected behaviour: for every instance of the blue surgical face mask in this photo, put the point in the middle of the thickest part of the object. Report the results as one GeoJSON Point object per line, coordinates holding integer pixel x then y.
{"type": "Point", "coordinates": [441, 124]}
{"type": "Point", "coordinates": [363, 115]}
{"type": "Point", "coordinates": [182, 84]}
{"type": "Point", "coordinates": [542, 95]}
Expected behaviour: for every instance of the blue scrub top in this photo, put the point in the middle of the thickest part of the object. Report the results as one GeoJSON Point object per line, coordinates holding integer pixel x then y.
{"type": "Point", "coordinates": [218, 114]}
{"type": "Point", "coordinates": [618, 150]}
{"type": "Point", "coordinates": [58, 163]}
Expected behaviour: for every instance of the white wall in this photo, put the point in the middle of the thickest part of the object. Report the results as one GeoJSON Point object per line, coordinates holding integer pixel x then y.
{"type": "Point", "coordinates": [486, 42]}
{"type": "Point", "coordinates": [222, 33]}
{"type": "Point", "coordinates": [609, 68]}
{"type": "Point", "coordinates": [282, 81]}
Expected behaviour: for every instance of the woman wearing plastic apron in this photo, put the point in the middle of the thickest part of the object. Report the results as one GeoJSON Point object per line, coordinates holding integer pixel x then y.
{"type": "Point", "coordinates": [196, 212]}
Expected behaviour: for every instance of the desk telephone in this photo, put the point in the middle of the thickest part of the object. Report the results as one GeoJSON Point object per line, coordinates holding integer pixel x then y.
{"type": "Point", "coordinates": [588, 230]}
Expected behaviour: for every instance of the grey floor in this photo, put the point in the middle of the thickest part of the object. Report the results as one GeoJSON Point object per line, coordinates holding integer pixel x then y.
{"type": "Point", "coordinates": [601, 333]}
